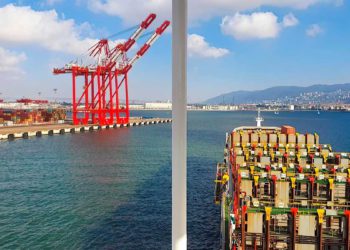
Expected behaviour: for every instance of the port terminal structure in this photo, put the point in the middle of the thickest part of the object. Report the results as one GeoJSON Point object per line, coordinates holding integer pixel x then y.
{"type": "Point", "coordinates": [99, 88]}
{"type": "Point", "coordinates": [26, 132]}
{"type": "Point", "coordinates": [279, 189]}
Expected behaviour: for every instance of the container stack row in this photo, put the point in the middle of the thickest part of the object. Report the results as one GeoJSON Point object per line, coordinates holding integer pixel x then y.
{"type": "Point", "coordinates": [283, 136]}
{"type": "Point", "coordinates": [27, 117]}
{"type": "Point", "coordinates": [281, 179]}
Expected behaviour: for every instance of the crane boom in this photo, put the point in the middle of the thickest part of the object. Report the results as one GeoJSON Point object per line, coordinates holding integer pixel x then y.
{"type": "Point", "coordinates": [120, 48]}
{"type": "Point", "coordinates": [100, 92]}
{"type": "Point", "coordinates": [99, 47]}
{"type": "Point", "coordinates": [159, 31]}
{"type": "Point", "coordinates": [144, 25]}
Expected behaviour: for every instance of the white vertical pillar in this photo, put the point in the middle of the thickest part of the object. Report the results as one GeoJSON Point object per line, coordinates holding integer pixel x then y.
{"type": "Point", "coordinates": [179, 126]}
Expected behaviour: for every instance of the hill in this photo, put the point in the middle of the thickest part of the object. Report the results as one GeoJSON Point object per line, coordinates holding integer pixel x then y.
{"type": "Point", "coordinates": [287, 94]}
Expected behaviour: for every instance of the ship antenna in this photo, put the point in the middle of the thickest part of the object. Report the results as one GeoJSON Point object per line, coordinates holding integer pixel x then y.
{"type": "Point", "coordinates": [259, 119]}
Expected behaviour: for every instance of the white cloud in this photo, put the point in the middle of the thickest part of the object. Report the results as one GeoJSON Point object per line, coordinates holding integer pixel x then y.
{"type": "Point", "coordinates": [52, 2]}
{"type": "Point", "coordinates": [198, 9]}
{"type": "Point", "coordinates": [259, 25]}
{"type": "Point", "coordinates": [23, 25]}
{"type": "Point", "coordinates": [132, 13]}
{"type": "Point", "coordinates": [314, 30]}
{"type": "Point", "coordinates": [10, 61]}
{"type": "Point", "coordinates": [338, 3]}
{"type": "Point", "coordinates": [290, 20]}
{"type": "Point", "coordinates": [197, 46]}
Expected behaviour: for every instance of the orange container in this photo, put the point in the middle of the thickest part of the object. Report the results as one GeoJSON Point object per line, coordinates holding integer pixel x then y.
{"type": "Point", "coordinates": [287, 130]}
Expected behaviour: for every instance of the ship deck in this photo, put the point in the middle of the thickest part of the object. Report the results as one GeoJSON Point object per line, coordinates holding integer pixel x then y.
{"type": "Point", "coordinates": [278, 179]}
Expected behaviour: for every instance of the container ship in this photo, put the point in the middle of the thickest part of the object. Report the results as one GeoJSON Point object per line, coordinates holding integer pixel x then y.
{"type": "Point", "coordinates": [279, 189]}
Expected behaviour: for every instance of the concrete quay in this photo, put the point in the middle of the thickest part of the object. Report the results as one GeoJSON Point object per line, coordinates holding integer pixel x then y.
{"type": "Point", "coordinates": [25, 132]}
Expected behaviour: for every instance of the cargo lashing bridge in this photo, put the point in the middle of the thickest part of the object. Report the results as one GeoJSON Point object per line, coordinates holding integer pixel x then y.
{"type": "Point", "coordinates": [105, 83]}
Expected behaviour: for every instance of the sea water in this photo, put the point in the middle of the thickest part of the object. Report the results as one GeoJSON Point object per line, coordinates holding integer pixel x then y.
{"type": "Point", "coordinates": [111, 189]}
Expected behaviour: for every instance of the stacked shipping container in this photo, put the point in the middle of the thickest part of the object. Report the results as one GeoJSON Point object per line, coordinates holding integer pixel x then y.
{"type": "Point", "coordinates": [31, 116]}
{"type": "Point", "coordinates": [285, 190]}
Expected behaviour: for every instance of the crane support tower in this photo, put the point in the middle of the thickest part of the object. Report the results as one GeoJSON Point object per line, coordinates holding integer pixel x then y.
{"type": "Point", "coordinates": [100, 91]}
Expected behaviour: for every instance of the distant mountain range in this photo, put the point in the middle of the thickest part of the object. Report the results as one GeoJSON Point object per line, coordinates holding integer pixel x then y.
{"type": "Point", "coordinates": [336, 93]}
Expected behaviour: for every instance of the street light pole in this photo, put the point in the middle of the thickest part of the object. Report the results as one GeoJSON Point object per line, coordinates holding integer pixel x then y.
{"type": "Point", "coordinates": [55, 91]}
{"type": "Point", "coordinates": [179, 125]}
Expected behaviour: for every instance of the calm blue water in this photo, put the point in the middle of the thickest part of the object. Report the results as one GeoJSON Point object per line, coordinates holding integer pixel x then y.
{"type": "Point", "coordinates": [112, 189]}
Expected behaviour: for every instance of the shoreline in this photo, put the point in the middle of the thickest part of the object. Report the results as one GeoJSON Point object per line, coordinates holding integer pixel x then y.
{"type": "Point", "coordinates": [38, 130]}
{"type": "Point", "coordinates": [252, 110]}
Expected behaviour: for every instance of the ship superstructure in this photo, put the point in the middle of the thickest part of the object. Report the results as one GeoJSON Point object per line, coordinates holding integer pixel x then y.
{"type": "Point", "coordinates": [280, 189]}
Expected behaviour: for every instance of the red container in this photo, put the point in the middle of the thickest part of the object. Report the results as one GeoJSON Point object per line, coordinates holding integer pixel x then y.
{"type": "Point", "coordinates": [287, 130]}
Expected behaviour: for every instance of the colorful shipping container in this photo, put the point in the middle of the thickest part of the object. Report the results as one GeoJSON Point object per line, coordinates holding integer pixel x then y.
{"type": "Point", "coordinates": [32, 116]}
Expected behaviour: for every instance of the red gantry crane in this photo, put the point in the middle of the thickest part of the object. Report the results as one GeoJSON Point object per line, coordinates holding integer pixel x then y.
{"type": "Point", "coordinates": [103, 98]}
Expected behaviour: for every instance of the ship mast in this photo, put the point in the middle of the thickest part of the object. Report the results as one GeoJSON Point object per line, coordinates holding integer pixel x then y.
{"type": "Point", "coordinates": [259, 119]}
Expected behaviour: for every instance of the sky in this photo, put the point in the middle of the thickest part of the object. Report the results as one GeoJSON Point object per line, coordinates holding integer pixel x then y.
{"type": "Point", "coordinates": [232, 45]}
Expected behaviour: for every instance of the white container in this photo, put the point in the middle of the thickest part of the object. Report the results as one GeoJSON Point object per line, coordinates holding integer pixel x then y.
{"type": "Point", "coordinates": [340, 178]}
{"type": "Point", "coordinates": [8, 123]}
